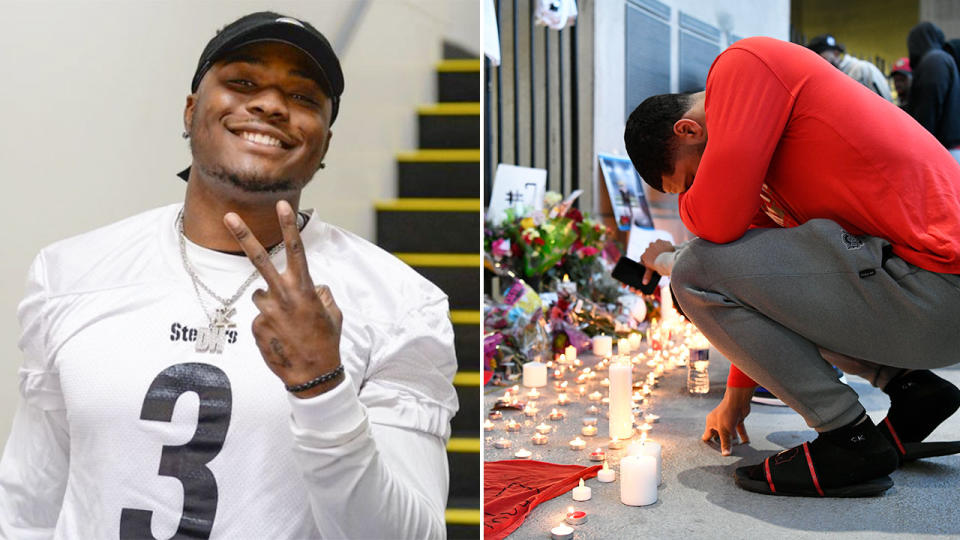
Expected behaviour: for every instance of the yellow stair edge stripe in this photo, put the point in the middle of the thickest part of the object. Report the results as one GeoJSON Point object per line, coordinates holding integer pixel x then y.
{"type": "Point", "coordinates": [464, 108]}
{"type": "Point", "coordinates": [440, 155]}
{"type": "Point", "coordinates": [472, 260]}
{"type": "Point", "coordinates": [468, 378]}
{"type": "Point", "coordinates": [466, 316]}
{"type": "Point", "coordinates": [459, 64]}
{"type": "Point", "coordinates": [464, 445]}
{"type": "Point", "coordinates": [413, 204]}
{"type": "Point", "coordinates": [464, 516]}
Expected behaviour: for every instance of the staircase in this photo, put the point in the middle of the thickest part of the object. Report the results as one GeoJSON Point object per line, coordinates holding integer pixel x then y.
{"type": "Point", "coordinates": [434, 226]}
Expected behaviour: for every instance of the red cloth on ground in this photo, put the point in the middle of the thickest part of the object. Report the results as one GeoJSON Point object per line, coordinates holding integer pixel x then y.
{"type": "Point", "coordinates": [513, 487]}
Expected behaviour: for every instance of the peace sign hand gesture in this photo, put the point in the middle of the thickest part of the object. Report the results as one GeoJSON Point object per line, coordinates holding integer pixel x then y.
{"type": "Point", "coordinates": [298, 328]}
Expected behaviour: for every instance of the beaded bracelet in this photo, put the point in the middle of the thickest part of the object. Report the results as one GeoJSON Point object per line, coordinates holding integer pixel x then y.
{"type": "Point", "coordinates": [328, 376]}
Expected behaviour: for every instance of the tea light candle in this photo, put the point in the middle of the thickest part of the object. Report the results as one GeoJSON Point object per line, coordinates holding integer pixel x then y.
{"type": "Point", "coordinates": [556, 415]}
{"type": "Point", "coordinates": [638, 480]}
{"type": "Point", "coordinates": [557, 374]}
{"type": "Point", "coordinates": [605, 382]}
{"type": "Point", "coordinates": [575, 517]}
{"type": "Point", "coordinates": [570, 352]}
{"type": "Point", "coordinates": [534, 374]}
{"type": "Point", "coordinates": [543, 428]}
{"type": "Point", "coordinates": [582, 492]}
{"type": "Point", "coordinates": [645, 427]}
{"type": "Point", "coordinates": [581, 390]}
{"type": "Point", "coordinates": [530, 410]}
{"type": "Point", "coordinates": [533, 395]}
{"type": "Point", "coordinates": [562, 399]}
{"type": "Point", "coordinates": [589, 421]}
{"type": "Point", "coordinates": [577, 444]}
{"type": "Point", "coordinates": [588, 431]}
{"type": "Point", "coordinates": [503, 443]}
{"type": "Point", "coordinates": [539, 439]}
{"type": "Point", "coordinates": [623, 346]}
{"type": "Point", "coordinates": [651, 418]}
{"type": "Point", "coordinates": [561, 359]}
{"type": "Point", "coordinates": [598, 455]}
{"type": "Point", "coordinates": [605, 401]}
{"type": "Point", "coordinates": [561, 532]}
{"type": "Point", "coordinates": [512, 425]}
{"type": "Point", "coordinates": [593, 409]}
{"type": "Point", "coordinates": [595, 396]}
{"type": "Point", "coordinates": [606, 474]}
{"type": "Point", "coordinates": [603, 345]}
{"type": "Point", "coordinates": [488, 425]}
{"type": "Point", "coordinates": [577, 362]}
{"type": "Point", "coordinates": [523, 453]}
{"type": "Point", "coordinates": [615, 444]}
{"type": "Point", "coordinates": [495, 415]}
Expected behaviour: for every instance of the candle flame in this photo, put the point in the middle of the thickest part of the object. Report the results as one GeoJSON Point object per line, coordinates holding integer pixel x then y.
{"type": "Point", "coordinates": [566, 278]}
{"type": "Point", "coordinates": [581, 482]}
{"type": "Point", "coordinates": [605, 467]}
{"type": "Point", "coordinates": [643, 437]}
{"type": "Point", "coordinates": [569, 509]}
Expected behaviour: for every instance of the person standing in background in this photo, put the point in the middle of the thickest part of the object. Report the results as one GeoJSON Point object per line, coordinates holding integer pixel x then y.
{"type": "Point", "coordinates": [902, 76]}
{"type": "Point", "coordinates": [935, 91]}
{"type": "Point", "coordinates": [861, 71]}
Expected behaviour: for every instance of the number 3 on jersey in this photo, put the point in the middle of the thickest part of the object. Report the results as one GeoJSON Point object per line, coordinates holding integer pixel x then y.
{"type": "Point", "coordinates": [187, 463]}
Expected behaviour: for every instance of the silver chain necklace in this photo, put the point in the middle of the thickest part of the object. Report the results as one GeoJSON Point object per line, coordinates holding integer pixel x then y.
{"type": "Point", "coordinates": [213, 338]}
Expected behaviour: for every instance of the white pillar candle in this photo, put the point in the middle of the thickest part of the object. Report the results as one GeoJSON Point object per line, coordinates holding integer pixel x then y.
{"type": "Point", "coordinates": [635, 340]}
{"type": "Point", "coordinates": [638, 480]}
{"type": "Point", "coordinates": [570, 353]}
{"type": "Point", "coordinates": [623, 346]}
{"type": "Point", "coordinates": [603, 345]}
{"type": "Point", "coordinates": [646, 447]}
{"type": "Point", "coordinates": [621, 414]}
{"type": "Point", "coordinates": [667, 311]}
{"type": "Point", "coordinates": [582, 492]}
{"type": "Point", "coordinates": [606, 474]}
{"type": "Point", "coordinates": [534, 374]}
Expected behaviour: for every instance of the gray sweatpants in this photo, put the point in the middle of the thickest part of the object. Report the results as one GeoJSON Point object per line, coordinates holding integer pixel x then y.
{"type": "Point", "coordinates": [776, 302]}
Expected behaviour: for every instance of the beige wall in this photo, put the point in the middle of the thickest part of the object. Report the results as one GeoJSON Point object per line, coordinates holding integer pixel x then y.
{"type": "Point", "coordinates": [92, 95]}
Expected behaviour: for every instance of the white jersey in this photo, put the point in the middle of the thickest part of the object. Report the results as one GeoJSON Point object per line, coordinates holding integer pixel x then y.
{"type": "Point", "coordinates": [126, 431]}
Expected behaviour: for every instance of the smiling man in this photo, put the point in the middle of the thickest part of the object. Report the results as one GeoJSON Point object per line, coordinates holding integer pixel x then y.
{"type": "Point", "coordinates": [822, 237]}
{"type": "Point", "coordinates": [161, 398]}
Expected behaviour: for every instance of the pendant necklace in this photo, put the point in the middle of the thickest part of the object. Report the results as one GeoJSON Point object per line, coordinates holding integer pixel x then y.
{"type": "Point", "coordinates": [213, 338]}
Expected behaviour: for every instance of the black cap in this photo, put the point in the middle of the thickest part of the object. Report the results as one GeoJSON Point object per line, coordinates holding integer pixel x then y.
{"type": "Point", "coordinates": [825, 42]}
{"type": "Point", "coordinates": [270, 26]}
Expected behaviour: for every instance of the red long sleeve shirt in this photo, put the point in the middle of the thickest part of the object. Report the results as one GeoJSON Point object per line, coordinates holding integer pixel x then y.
{"type": "Point", "coordinates": [791, 138]}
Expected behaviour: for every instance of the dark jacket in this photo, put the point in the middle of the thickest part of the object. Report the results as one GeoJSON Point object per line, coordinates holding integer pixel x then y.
{"type": "Point", "coordinates": [935, 91]}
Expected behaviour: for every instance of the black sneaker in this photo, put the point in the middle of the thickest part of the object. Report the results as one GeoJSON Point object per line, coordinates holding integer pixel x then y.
{"type": "Point", "coordinates": [765, 397]}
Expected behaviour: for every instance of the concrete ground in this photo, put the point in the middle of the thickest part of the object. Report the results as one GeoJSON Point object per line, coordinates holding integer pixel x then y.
{"type": "Point", "coordinates": [698, 498]}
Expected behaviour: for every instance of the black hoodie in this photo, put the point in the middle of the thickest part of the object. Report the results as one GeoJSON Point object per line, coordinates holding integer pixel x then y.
{"type": "Point", "coordinates": [935, 92]}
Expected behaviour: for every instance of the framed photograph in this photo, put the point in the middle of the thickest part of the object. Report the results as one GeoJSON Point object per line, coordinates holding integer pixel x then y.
{"type": "Point", "coordinates": [626, 194]}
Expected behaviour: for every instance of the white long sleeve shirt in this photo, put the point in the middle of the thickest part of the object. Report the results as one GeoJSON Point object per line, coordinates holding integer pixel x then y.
{"type": "Point", "coordinates": [125, 430]}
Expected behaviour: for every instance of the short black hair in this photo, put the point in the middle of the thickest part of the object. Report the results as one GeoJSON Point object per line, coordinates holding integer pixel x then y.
{"type": "Point", "coordinates": [649, 136]}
